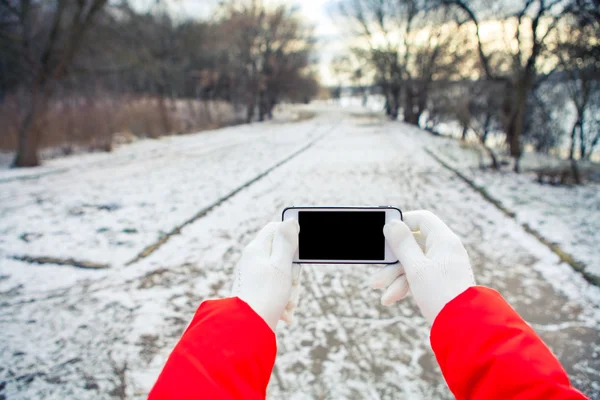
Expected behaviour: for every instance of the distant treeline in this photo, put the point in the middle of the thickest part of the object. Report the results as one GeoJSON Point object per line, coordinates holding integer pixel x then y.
{"type": "Point", "coordinates": [507, 68]}
{"type": "Point", "coordinates": [107, 59]}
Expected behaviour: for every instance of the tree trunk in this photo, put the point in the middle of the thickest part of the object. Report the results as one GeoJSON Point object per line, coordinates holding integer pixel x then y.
{"type": "Point", "coordinates": [388, 106]}
{"type": "Point", "coordinates": [421, 105]}
{"type": "Point", "coordinates": [413, 106]}
{"type": "Point", "coordinates": [575, 171]}
{"type": "Point", "coordinates": [582, 144]}
{"type": "Point", "coordinates": [388, 100]}
{"type": "Point", "coordinates": [262, 107]}
{"type": "Point", "coordinates": [465, 130]}
{"type": "Point", "coordinates": [27, 146]}
{"type": "Point", "coordinates": [517, 111]}
{"type": "Point", "coordinates": [495, 164]}
{"type": "Point", "coordinates": [395, 104]}
{"type": "Point", "coordinates": [516, 128]}
{"type": "Point", "coordinates": [250, 112]}
{"type": "Point", "coordinates": [573, 139]}
{"type": "Point", "coordinates": [574, 168]}
{"type": "Point", "coordinates": [517, 166]}
{"type": "Point", "coordinates": [412, 118]}
{"type": "Point", "coordinates": [409, 116]}
{"type": "Point", "coordinates": [29, 135]}
{"type": "Point", "coordinates": [483, 138]}
{"type": "Point", "coordinates": [270, 108]}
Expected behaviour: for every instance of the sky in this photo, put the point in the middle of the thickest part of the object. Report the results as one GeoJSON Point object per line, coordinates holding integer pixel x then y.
{"type": "Point", "coordinates": [330, 43]}
{"type": "Point", "coordinates": [315, 11]}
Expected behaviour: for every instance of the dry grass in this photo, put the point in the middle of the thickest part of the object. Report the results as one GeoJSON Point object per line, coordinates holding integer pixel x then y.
{"type": "Point", "coordinates": [92, 124]}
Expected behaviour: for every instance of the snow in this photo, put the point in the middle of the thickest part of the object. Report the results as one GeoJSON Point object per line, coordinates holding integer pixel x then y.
{"type": "Point", "coordinates": [65, 332]}
{"type": "Point", "coordinates": [567, 216]}
{"type": "Point", "coordinates": [126, 200]}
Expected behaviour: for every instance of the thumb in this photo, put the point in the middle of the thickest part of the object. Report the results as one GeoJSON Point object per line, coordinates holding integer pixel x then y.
{"type": "Point", "coordinates": [405, 247]}
{"type": "Point", "coordinates": [285, 243]}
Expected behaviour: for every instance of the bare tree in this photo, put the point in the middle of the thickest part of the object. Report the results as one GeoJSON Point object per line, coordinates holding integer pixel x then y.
{"type": "Point", "coordinates": [49, 35]}
{"type": "Point", "coordinates": [287, 45]}
{"type": "Point", "coordinates": [268, 53]}
{"type": "Point", "coordinates": [579, 57]}
{"type": "Point", "coordinates": [141, 73]}
{"type": "Point", "coordinates": [475, 106]}
{"type": "Point", "coordinates": [440, 57]}
{"type": "Point", "coordinates": [534, 21]}
{"type": "Point", "coordinates": [159, 60]}
{"type": "Point", "coordinates": [580, 62]}
{"type": "Point", "coordinates": [410, 44]}
{"type": "Point", "coordinates": [388, 76]}
{"type": "Point", "coordinates": [376, 23]}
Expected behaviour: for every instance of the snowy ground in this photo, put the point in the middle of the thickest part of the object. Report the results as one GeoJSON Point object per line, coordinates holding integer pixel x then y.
{"type": "Point", "coordinates": [107, 208]}
{"type": "Point", "coordinates": [568, 216]}
{"type": "Point", "coordinates": [67, 332]}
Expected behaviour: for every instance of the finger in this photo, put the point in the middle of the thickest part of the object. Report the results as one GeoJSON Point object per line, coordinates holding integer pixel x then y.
{"type": "Point", "coordinates": [285, 243]}
{"type": "Point", "coordinates": [396, 291]}
{"type": "Point", "coordinates": [264, 238]}
{"type": "Point", "coordinates": [386, 275]}
{"type": "Point", "coordinates": [404, 245]}
{"type": "Point", "coordinates": [426, 222]}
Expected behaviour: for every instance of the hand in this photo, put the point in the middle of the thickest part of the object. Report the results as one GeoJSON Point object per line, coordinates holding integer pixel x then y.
{"type": "Point", "coordinates": [265, 277]}
{"type": "Point", "coordinates": [434, 265]}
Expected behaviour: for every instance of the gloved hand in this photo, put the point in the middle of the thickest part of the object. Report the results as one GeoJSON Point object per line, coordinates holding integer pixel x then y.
{"type": "Point", "coordinates": [434, 265]}
{"type": "Point", "coordinates": [265, 277]}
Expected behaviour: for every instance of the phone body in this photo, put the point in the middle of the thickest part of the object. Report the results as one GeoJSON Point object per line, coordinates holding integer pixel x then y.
{"type": "Point", "coordinates": [343, 235]}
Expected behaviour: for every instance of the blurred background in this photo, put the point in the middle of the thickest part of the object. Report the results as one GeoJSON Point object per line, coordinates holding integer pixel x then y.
{"type": "Point", "coordinates": [78, 75]}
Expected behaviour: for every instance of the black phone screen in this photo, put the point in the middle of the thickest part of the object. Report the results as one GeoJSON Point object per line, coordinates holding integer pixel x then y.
{"type": "Point", "coordinates": [341, 235]}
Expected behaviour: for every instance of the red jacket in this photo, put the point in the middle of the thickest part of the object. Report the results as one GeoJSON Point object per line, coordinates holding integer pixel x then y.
{"type": "Point", "coordinates": [484, 348]}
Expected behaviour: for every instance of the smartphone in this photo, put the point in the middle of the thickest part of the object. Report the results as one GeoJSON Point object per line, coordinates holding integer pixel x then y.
{"type": "Point", "coordinates": [343, 235]}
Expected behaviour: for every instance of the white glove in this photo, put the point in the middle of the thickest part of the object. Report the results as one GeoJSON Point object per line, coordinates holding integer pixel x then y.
{"type": "Point", "coordinates": [434, 265]}
{"type": "Point", "coordinates": [265, 277]}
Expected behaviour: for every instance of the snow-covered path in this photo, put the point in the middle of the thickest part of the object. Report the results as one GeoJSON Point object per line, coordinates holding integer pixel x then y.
{"type": "Point", "coordinates": [72, 333]}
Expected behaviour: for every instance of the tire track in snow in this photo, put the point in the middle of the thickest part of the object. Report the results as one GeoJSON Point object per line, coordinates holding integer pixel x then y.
{"type": "Point", "coordinates": [177, 230]}
{"type": "Point", "coordinates": [112, 162]}
{"type": "Point", "coordinates": [60, 261]}
{"type": "Point", "coordinates": [555, 248]}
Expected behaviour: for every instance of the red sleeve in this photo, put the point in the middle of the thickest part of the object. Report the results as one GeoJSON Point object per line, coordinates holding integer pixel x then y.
{"type": "Point", "coordinates": [486, 351]}
{"type": "Point", "coordinates": [227, 352]}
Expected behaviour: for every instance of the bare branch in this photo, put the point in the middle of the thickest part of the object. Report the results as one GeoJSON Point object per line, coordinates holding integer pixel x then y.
{"type": "Point", "coordinates": [482, 56]}
{"type": "Point", "coordinates": [51, 43]}
{"type": "Point", "coordinates": [10, 7]}
{"type": "Point", "coordinates": [78, 29]}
